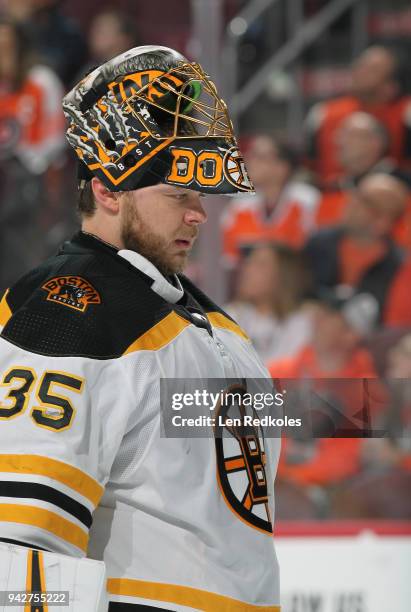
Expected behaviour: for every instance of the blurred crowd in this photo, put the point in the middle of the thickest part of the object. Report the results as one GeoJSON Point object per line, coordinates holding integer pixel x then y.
{"type": "Point", "coordinates": [320, 266]}
{"type": "Point", "coordinates": [318, 262]}
{"type": "Point", "coordinates": [43, 53]}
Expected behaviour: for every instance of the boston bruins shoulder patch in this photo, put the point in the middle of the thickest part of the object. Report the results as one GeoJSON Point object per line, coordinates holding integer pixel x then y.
{"type": "Point", "coordinates": [72, 291]}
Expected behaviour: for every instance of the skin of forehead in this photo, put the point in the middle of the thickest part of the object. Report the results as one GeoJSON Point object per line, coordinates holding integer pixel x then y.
{"type": "Point", "coordinates": [361, 123]}
{"type": "Point", "coordinates": [376, 57]}
{"type": "Point", "coordinates": [385, 192]}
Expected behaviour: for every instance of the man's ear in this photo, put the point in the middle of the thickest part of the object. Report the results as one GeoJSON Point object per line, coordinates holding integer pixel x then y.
{"type": "Point", "coordinates": [105, 199]}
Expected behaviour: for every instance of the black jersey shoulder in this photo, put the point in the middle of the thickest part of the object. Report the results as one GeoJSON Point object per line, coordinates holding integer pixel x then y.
{"type": "Point", "coordinates": [85, 301]}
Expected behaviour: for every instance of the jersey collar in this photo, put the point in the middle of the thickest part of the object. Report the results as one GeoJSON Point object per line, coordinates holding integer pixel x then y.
{"type": "Point", "coordinates": [170, 291]}
{"type": "Point", "coordinates": [161, 285]}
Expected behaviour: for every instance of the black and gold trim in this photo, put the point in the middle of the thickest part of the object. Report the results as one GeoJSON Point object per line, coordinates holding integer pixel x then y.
{"type": "Point", "coordinates": [65, 516]}
{"type": "Point", "coordinates": [41, 492]}
{"type": "Point", "coordinates": [47, 520]}
{"type": "Point", "coordinates": [62, 472]}
{"type": "Point", "coordinates": [5, 311]}
{"type": "Point", "coordinates": [179, 595]}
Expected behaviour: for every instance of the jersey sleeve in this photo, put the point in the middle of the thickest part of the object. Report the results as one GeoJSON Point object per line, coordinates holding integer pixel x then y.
{"type": "Point", "coordinates": [62, 420]}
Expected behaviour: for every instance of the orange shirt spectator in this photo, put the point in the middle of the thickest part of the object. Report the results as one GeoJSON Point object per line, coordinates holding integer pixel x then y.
{"type": "Point", "coordinates": [247, 221]}
{"type": "Point", "coordinates": [361, 149]}
{"type": "Point", "coordinates": [283, 210]}
{"type": "Point", "coordinates": [358, 253]}
{"type": "Point", "coordinates": [329, 117]}
{"type": "Point", "coordinates": [31, 118]}
{"type": "Point", "coordinates": [31, 140]}
{"type": "Point", "coordinates": [334, 353]}
{"type": "Point", "coordinates": [331, 210]}
{"type": "Point", "coordinates": [375, 90]}
{"type": "Point", "coordinates": [31, 121]}
{"type": "Point", "coordinates": [333, 459]}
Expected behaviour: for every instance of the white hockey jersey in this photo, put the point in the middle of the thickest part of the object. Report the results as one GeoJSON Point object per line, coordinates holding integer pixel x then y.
{"type": "Point", "coordinates": [182, 523]}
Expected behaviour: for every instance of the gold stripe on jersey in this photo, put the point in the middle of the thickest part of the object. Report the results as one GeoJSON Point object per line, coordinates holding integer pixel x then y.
{"type": "Point", "coordinates": [217, 319]}
{"type": "Point", "coordinates": [182, 596]}
{"type": "Point", "coordinates": [68, 475]}
{"type": "Point", "coordinates": [45, 519]}
{"type": "Point", "coordinates": [5, 312]}
{"type": "Point", "coordinates": [160, 334]}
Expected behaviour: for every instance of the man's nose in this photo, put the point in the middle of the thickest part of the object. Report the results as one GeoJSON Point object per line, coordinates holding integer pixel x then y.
{"type": "Point", "coordinates": [195, 214]}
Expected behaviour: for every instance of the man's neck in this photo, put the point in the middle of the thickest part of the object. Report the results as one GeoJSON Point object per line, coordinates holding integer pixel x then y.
{"type": "Point", "coordinates": [271, 196]}
{"type": "Point", "coordinates": [101, 231]}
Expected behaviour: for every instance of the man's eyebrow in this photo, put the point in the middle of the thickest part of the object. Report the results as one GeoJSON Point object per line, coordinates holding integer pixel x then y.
{"type": "Point", "coordinates": [179, 190]}
{"type": "Point", "coordinates": [172, 188]}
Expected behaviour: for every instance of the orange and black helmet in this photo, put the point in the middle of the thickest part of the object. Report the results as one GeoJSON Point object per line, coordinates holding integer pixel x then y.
{"type": "Point", "coordinates": [149, 116]}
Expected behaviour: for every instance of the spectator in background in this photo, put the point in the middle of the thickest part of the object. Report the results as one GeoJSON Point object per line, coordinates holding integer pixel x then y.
{"type": "Point", "coordinates": [283, 210]}
{"type": "Point", "coordinates": [111, 33]}
{"type": "Point", "coordinates": [361, 148]}
{"type": "Point", "coordinates": [381, 489]}
{"type": "Point", "coordinates": [362, 145]}
{"type": "Point", "coordinates": [335, 352]}
{"type": "Point", "coordinates": [30, 103]}
{"type": "Point", "coordinates": [358, 253]}
{"type": "Point", "coordinates": [31, 138]}
{"type": "Point", "coordinates": [269, 301]}
{"type": "Point", "coordinates": [56, 39]}
{"type": "Point", "coordinates": [375, 89]}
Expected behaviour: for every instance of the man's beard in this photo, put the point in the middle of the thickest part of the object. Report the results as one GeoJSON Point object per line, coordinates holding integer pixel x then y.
{"type": "Point", "coordinates": [136, 236]}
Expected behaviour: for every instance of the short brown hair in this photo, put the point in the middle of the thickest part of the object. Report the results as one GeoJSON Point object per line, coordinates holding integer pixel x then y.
{"type": "Point", "coordinates": [86, 204]}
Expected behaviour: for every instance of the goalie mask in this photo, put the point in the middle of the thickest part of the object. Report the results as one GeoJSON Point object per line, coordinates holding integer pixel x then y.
{"type": "Point", "coordinates": [149, 116]}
